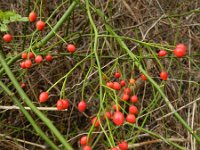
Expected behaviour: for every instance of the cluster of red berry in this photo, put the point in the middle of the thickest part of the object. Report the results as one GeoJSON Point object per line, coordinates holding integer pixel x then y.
{"type": "Point", "coordinates": [28, 57]}
{"type": "Point", "coordinates": [39, 24]}
{"type": "Point", "coordinates": [84, 140]}
{"type": "Point", "coordinates": [117, 116]}
{"type": "Point", "coordinates": [32, 18]}
{"type": "Point", "coordinates": [27, 63]}
{"type": "Point", "coordinates": [179, 51]}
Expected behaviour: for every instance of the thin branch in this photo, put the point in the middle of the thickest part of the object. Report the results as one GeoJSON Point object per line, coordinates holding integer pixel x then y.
{"type": "Point", "coordinates": [23, 141]}
{"type": "Point", "coordinates": [28, 108]}
{"type": "Point", "coordinates": [156, 141]}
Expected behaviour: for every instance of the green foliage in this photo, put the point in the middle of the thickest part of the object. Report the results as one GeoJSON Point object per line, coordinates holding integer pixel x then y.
{"type": "Point", "coordinates": [8, 17]}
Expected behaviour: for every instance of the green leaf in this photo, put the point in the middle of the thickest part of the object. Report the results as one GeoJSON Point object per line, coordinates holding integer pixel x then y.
{"type": "Point", "coordinates": [3, 28]}
{"type": "Point", "coordinates": [10, 16]}
{"type": "Point", "coordinates": [1, 14]}
{"type": "Point", "coordinates": [9, 13]}
{"type": "Point", "coordinates": [6, 21]}
{"type": "Point", "coordinates": [15, 18]}
{"type": "Point", "coordinates": [24, 19]}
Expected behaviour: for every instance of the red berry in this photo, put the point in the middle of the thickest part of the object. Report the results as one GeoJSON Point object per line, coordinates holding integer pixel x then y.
{"type": "Point", "coordinates": [23, 85]}
{"type": "Point", "coordinates": [27, 63]}
{"type": "Point", "coordinates": [117, 75]}
{"type": "Point", "coordinates": [130, 118]}
{"type": "Point", "coordinates": [24, 55]}
{"type": "Point", "coordinates": [162, 53]}
{"type": "Point", "coordinates": [123, 82]}
{"type": "Point", "coordinates": [31, 55]}
{"type": "Point", "coordinates": [38, 59]}
{"type": "Point", "coordinates": [40, 25]}
{"type": "Point", "coordinates": [143, 77]}
{"type": "Point", "coordinates": [49, 57]}
{"type": "Point", "coordinates": [65, 103]}
{"type": "Point", "coordinates": [123, 145]}
{"type": "Point", "coordinates": [87, 147]}
{"type": "Point", "coordinates": [116, 86]}
{"type": "Point", "coordinates": [133, 109]}
{"type": "Point", "coordinates": [179, 52]}
{"type": "Point", "coordinates": [134, 98]}
{"type": "Point", "coordinates": [116, 107]}
{"type": "Point", "coordinates": [125, 97]}
{"type": "Point", "coordinates": [182, 46]}
{"type": "Point", "coordinates": [127, 91]}
{"type": "Point", "coordinates": [59, 105]}
{"type": "Point", "coordinates": [7, 38]}
{"type": "Point", "coordinates": [118, 118]}
{"type": "Point", "coordinates": [109, 84]}
{"type": "Point", "coordinates": [83, 140]}
{"type": "Point", "coordinates": [163, 75]}
{"type": "Point", "coordinates": [131, 81]}
{"type": "Point", "coordinates": [71, 48]}
{"type": "Point", "coordinates": [32, 16]}
{"type": "Point", "coordinates": [22, 65]}
{"type": "Point", "coordinates": [43, 97]}
{"type": "Point", "coordinates": [82, 105]}
{"type": "Point", "coordinates": [108, 115]}
{"type": "Point", "coordinates": [95, 122]}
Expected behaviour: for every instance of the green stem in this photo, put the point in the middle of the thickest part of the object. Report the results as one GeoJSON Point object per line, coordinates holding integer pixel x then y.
{"type": "Point", "coordinates": [28, 116]}
{"type": "Point", "coordinates": [95, 47]}
{"type": "Point", "coordinates": [25, 27]}
{"type": "Point", "coordinates": [69, 72]}
{"type": "Point", "coordinates": [31, 105]}
{"type": "Point", "coordinates": [137, 64]}
{"type": "Point", "coordinates": [58, 25]}
{"type": "Point", "coordinates": [97, 60]}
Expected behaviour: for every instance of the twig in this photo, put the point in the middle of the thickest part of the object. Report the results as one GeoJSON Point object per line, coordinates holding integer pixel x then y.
{"type": "Point", "coordinates": [23, 141]}
{"type": "Point", "coordinates": [178, 109]}
{"type": "Point", "coordinates": [28, 108]}
{"type": "Point", "coordinates": [155, 141]}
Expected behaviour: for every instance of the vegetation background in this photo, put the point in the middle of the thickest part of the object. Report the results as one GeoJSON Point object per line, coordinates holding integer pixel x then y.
{"type": "Point", "coordinates": [110, 36]}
